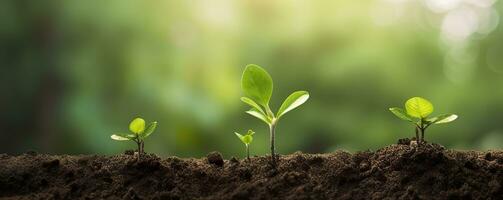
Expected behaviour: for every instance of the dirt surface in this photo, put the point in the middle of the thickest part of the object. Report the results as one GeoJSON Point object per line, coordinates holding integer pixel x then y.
{"type": "Point", "coordinates": [400, 171]}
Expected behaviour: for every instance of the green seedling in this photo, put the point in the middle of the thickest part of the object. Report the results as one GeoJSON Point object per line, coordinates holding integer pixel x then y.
{"type": "Point", "coordinates": [247, 140]}
{"type": "Point", "coordinates": [257, 86]}
{"type": "Point", "coordinates": [139, 133]}
{"type": "Point", "coordinates": [417, 110]}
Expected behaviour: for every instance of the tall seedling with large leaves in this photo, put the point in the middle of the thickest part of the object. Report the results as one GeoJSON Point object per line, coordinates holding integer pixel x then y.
{"type": "Point", "coordinates": [417, 110]}
{"type": "Point", "coordinates": [257, 86]}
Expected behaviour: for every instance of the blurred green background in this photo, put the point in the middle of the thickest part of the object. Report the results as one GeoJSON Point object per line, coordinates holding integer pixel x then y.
{"type": "Point", "coordinates": [74, 72]}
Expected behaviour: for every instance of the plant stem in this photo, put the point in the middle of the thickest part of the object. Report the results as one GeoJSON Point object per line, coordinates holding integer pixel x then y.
{"type": "Point", "coordinates": [139, 147]}
{"type": "Point", "coordinates": [422, 130]}
{"type": "Point", "coordinates": [248, 152]}
{"type": "Point", "coordinates": [422, 134]}
{"type": "Point", "coordinates": [272, 128]}
{"type": "Point", "coordinates": [417, 135]}
{"type": "Point", "coordinates": [142, 147]}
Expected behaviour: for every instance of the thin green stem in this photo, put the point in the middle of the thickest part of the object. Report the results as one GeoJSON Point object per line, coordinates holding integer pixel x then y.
{"type": "Point", "coordinates": [422, 135]}
{"type": "Point", "coordinates": [142, 151]}
{"type": "Point", "coordinates": [138, 143]}
{"type": "Point", "coordinates": [272, 130]}
{"type": "Point", "coordinates": [417, 134]}
{"type": "Point", "coordinates": [422, 127]}
{"type": "Point", "coordinates": [248, 152]}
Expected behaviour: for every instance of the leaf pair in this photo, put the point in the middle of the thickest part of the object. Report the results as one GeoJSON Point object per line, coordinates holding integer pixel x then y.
{"type": "Point", "coordinates": [257, 85]}
{"type": "Point", "coordinates": [417, 110]}
{"type": "Point", "coordinates": [247, 138]}
{"type": "Point", "coordinates": [137, 127]}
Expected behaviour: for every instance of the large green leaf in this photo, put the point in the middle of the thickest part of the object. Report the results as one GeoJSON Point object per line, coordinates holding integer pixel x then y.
{"type": "Point", "coordinates": [257, 84]}
{"type": "Point", "coordinates": [442, 119]}
{"type": "Point", "coordinates": [121, 137]}
{"type": "Point", "coordinates": [254, 112]}
{"type": "Point", "coordinates": [150, 129]}
{"type": "Point", "coordinates": [418, 107]}
{"type": "Point", "coordinates": [252, 103]}
{"type": "Point", "coordinates": [293, 101]}
{"type": "Point", "coordinates": [400, 113]}
{"type": "Point", "coordinates": [137, 126]}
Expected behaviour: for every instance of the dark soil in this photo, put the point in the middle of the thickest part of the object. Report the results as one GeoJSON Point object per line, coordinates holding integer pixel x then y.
{"type": "Point", "coordinates": [400, 171]}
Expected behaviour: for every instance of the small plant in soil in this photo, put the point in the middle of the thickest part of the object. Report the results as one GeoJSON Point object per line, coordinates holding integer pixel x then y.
{"type": "Point", "coordinates": [247, 140]}
{"type": "Point", "coordinates": [257, 86]}
{"type": "Point", "coordinates": [417, 110]}
{"type": "Point", "coordinates": [139, 133]}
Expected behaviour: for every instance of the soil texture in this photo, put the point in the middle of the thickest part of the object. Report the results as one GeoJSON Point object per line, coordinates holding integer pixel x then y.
{"type": "Point", "coordinates": [399, 171]}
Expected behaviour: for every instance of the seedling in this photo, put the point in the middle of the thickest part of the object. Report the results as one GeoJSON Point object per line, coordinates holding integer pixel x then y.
{"type": "Point", "coordinates": [247, 140]}
{"type": "Point", "coordinates": [257, 86]}
{"type": "Point", "coordinates": [417, 111]}
{"type": "Point", "coordinates": [139, 133]}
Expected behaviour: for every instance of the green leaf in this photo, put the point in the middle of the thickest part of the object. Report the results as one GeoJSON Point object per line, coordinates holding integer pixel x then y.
{"type": "Point", "coordinates": [137, 126]}
{"type": "Point", "coordinates": [252, 104]}
{"type": "Point", "coordinates": [250, 132]}
{"type": "Point", "coordinates": [257, 84]}
{"type": "Point", "coordinates": [418, 107]}
{"type": "Point", "coordinates": [442, 119]}
{"type": "Point", "coordinates": [239, 136]}
{"type": "Point", "coordinates": [254, 112]}
{"type": "Point", "coordinates": [120, 137]}
{"type": "Point", "coordinates": [293, 101]}
{"type": "Point", "coordinates": [246, 139]}
{"type": "Point", "coordinates": [400, 113]}
{"type": "Point", "coordinates": [150, 129]}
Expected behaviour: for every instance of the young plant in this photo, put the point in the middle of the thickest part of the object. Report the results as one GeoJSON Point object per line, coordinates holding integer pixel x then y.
{"type": "Point", "coordinates": [417, 110]}
{"type": "Point", "coordinates": [257, 86]}
{"type": "Point", "coordinates": [139, 133]}
{"type": "Point", "coordinates": [247, 140]}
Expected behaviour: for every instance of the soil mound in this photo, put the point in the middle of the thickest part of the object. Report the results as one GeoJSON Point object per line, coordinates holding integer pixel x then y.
{"type": "Point", "coordinates": [400, 171]}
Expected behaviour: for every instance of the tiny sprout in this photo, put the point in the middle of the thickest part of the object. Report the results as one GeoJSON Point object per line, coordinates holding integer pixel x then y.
{"type": "Point", "coordinates": [247, 140]}
{"type": "Point", "coordinates": [257, 86]}
{"type": "Point", "coordinates": [417, 111]}
{"type": "Point", "coordinates": [139, 133]}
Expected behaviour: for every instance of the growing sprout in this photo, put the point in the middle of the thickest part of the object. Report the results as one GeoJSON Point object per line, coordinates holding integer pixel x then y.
{"type": "Point", "coordinates": [247, 140]}
{"type": "Point", "coordinates": [417, 111]}
{"type": "Point", "coordinates": [139, 133]}
{"type": "Point", "coordinates": [257, 86]}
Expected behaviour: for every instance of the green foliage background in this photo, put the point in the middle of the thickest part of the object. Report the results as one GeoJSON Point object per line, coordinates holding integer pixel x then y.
{"type": "Point", "coordinates": [74, 72]}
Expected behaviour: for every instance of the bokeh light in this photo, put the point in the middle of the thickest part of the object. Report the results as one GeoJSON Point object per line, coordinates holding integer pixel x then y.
{"type": "Point", "coordinates": [74, 72]}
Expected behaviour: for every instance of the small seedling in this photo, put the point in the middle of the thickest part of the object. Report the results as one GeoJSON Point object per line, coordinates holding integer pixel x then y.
{"type": "Point", "coordinates": [139, 133]}
{"type": "Point", "coordinates": [247, 140]}
{"type": "Point", "coordinates": [257, 86]}
{"type": "Point", "coordinates": [417, 111]}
